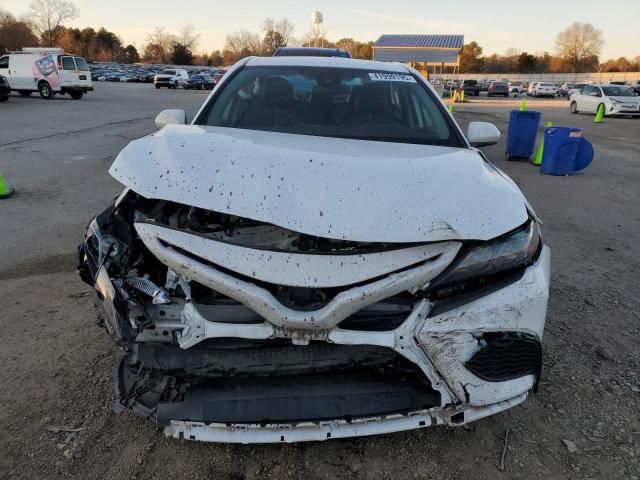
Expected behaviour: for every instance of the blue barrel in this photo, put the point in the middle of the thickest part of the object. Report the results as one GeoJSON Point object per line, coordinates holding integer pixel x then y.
{"type": "Point", "coordinates": [521, 134]}
{"type": "Point", "coordinates": [561, 147]}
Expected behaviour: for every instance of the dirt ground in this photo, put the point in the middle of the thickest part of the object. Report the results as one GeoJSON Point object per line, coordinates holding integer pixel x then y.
{"type": "Point", "coordinates": [57, 365]}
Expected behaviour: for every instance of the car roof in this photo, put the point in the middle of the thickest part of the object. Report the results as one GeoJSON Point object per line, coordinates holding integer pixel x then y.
{"type": "Point", "coordinates": [329, 62]}
{"type": "Point", "coordinates": [311, 51]}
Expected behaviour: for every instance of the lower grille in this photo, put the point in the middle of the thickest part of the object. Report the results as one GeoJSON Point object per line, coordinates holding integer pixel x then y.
{"type": "Point", "coordinates": [506, 356]}
{"type": "Point", "coordinates": [270, 382]}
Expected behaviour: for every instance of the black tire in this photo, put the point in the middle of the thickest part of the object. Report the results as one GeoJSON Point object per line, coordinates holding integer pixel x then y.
{"type": "Point", "coordinates": [76, 95]}
{"type": "Point", "coordinates": [157, 86]}
{"type": "Point", "coordinates": [506, 95]}
{"type": "Point", "coordinates": [45, 90]}
{"type": "Point", "coordinates": [476, 94]}
{"type": "Point", "coordinates": [25, 93]}
{"type": "Point", "coordinates": [4, 98]}
{"type": "Point", "coordinates": [573, 108]}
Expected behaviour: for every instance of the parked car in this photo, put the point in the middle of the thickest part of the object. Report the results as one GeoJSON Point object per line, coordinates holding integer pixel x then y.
{"type": "Point", "coordinates": [544, 89]}
{"type": "Point", "coordinates": [199, 82]}
{"type": "Point", "coordinates": [171, 78]}
{"type": "Point", "coordinates": [268, 284]}
{"type": "Point", "coordinates": [531, 87]}
{"type": "Point", "coordinates": [311, 52]}
{"type": "Point", "coordinates": [498, 88]}
{"type": "Point", "coordinates": [573, 88]}
{"type": "Point", "coordinates": [516, 88]}
{"type": "Point", "coordinates": [5, 89]}
{"type": "Point", "coordinates": [470, 87]}
{"type": "Point", "coordinates": [48, 71]}
{"type": "Point", "coordinates": [616, 99]}
{"type": "Point", "coordinates": [635, 86]}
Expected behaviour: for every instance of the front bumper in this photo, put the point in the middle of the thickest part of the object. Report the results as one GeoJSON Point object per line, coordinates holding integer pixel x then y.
{"type": "Point", "coordinates": [622, 109]}
{"type": "Point", "coordinates": [438, 338]}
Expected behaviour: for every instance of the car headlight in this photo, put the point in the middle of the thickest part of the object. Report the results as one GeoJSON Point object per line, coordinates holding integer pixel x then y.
{"type": "Point", "coordinates": [615, 102]}
{"type": "Point", "coordinates": [487, 262]}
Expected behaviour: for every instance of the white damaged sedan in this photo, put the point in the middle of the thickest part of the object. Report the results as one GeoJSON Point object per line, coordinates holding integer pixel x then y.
{"type": "Point", "coordinates": [321, 253]}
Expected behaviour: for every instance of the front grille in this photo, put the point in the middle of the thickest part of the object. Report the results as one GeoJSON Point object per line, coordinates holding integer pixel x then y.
{"type": "Point", "coordinates": [506, 356]}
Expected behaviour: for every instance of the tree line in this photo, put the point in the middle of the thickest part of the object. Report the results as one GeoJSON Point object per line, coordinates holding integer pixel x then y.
{"type": "Point", "coordinates": [577, 50]}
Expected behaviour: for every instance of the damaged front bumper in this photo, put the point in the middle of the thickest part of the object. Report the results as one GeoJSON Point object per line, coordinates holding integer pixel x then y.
{"type": "Point", "coordinates": [241, 364]}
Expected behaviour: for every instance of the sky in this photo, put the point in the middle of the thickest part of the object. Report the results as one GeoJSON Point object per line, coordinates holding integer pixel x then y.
{"type": "Point", "coordinates": [495, 25]}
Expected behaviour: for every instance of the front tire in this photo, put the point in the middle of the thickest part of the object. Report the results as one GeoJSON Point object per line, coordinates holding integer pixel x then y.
{"type": "Point", "coordinates": [24, 93]}
{"type": "Point", "coordinates": [76, 95]}
{"type": "Point", "coordinates": [157, 86]}
{"type": "Point", "coordinates": [573, 108]}
{"type": "Point", "coordinates": [45, 90]}
{"type": "Point", "coordinates": [4, 99]}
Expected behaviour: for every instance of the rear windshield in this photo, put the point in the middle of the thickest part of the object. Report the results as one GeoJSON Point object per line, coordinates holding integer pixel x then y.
{"type": "Point", "coordinates": [81, 64]}
{"type": "Point", "coordinates": [547, 85]}
{"type": "Point", "coordinates": [470, 82]}
{"type": "Point", "coordinates": [332, 102]}
{"type": "Point", "coordinates": [499, 84]}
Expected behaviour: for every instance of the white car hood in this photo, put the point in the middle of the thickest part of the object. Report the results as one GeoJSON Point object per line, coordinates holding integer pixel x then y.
{"type": "Point", "coordinates": [333, 188]}
{"type": "Point", "coordinates": [626, 99]}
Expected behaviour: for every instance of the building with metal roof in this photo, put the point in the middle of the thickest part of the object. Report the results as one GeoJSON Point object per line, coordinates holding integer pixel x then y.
{"type": "Point", "coordinates": [432, 51]}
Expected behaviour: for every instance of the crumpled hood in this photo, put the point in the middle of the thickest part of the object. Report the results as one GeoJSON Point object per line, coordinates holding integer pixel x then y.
{"type": "Point", "coordinates": [334, 188]}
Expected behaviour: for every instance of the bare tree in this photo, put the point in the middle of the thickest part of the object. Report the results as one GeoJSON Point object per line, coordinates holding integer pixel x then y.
{"type": "Point", "coordinates": [284, 27]}
{"type": "Point", "coordinates": [47, 16]}
{"type": "Point", "coordinates": [242, 43]}
{"type": "Point", "coordinates": [161, 43]}
{"type": "Point", "coordinates": [579, 45]}
{"type": "Point", "coordinates": [189, 37]}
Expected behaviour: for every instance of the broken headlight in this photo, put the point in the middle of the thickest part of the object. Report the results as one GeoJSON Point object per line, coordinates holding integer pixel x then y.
{"type": "Point", "coordinates": [490, 261]}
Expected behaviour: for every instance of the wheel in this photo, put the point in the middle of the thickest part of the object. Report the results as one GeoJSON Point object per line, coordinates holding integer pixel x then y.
{"type": "Point", "coordinates": [157, 86]}
{"type": "Point", "coordinates": [24, 93]}
{"type": "Point", "coordinates": [45, 90]}
{"type": "Point", "coordinates": [76, 95]}
{"type": "Point", "coordinates": [573, 108]}
{"type": "Point", "coordinates": [476, 94]}
{"type": "Point", "coordinates": [506, 95]}
{"type": "Point", "coordinates": [4, 99]}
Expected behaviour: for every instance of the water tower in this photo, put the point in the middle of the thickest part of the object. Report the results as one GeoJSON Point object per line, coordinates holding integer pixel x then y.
{"type": "Point", "coordinates": [316, 28]}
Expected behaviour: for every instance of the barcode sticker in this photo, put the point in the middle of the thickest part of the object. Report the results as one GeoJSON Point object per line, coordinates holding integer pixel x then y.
{"type": "Point", "coordinates": [575, 134]}
{"type": "Point", "coordinates": [391, 77]}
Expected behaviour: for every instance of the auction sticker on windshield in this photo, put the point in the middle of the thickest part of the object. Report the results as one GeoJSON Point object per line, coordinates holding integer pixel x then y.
{"type": "Point", "coordinates": [391, 77]}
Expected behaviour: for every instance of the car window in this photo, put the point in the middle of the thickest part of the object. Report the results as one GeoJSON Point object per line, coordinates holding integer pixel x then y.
{"type": "Point", "coordinates": [68, 63]}
{"type": "Point", "coordinates": [331, 102]}
{"type": "Point", "coordinates": [4, 62]}
{"type": "Point", "coordinates": [168, 72]}
{"type": "Point", "coordinates": [81, 64]}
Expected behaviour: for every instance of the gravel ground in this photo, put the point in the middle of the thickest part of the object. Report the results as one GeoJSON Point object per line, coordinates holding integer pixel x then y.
{"type": "Point", "coordinates": [57, 366]}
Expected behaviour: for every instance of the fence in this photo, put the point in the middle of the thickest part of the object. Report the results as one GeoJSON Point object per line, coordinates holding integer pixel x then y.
{"type": "Point", "coordinates": [546, 77]}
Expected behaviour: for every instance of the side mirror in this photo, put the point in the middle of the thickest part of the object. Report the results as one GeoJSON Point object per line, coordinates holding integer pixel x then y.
{"type": "Point", "coordinates": [171, 117]}
{"type": "Point", "coordinates": [482, 134]}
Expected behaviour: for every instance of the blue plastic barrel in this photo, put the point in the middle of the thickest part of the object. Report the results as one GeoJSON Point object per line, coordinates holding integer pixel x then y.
{"type": "Point", "coordinates": [521, 134]}
{"type": "Point", "coordinates": [561, 148]}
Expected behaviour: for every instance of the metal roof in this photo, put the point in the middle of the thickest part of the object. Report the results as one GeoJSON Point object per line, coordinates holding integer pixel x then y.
{"type": "Point", "coordinates": [420, 41]}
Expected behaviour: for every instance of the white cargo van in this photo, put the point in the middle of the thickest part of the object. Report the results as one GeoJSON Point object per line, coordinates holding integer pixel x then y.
{"type": "Point", "coordinates": [46, 70]}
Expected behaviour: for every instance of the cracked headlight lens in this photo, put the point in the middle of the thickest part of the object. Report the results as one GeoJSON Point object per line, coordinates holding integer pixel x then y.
{"type": "Point", "coordinates": [509, 252]}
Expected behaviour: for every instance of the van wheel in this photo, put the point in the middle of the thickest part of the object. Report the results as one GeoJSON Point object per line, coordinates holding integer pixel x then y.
{"type": "Point", "coordinates": [45, 91]}
{"type": "Point", "coordinates": [24, 93]}
{"type": "Point", "coordinates": [76, 95]}
{"type": "Point", "coordinates": [157, 86]}
{"type": "Point", "coordinates": [573, 108]}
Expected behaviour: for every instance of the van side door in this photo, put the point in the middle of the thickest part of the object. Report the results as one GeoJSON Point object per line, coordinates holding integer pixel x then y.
{"type": "Point", "coordinates": [68, 74]}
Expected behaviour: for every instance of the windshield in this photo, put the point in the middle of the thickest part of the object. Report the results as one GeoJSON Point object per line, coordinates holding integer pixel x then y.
{"type": "Point", "coordinates": [616, 91]}
{"type": "Point", "coordinates": [331, 102]}
{"type": "Point", "coordinates": [168, 72]}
